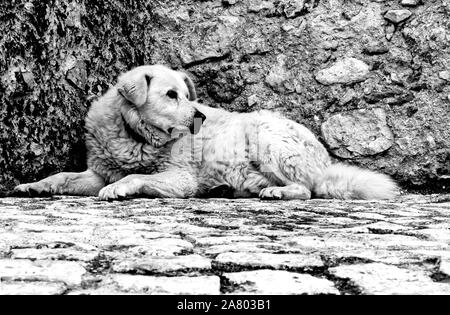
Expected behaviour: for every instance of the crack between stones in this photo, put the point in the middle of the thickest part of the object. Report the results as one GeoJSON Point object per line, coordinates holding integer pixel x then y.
{"type": "Point", "coordinates": [207, 60]}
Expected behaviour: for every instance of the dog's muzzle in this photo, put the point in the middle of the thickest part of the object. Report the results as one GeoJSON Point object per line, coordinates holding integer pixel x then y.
{"type": "Point", "coordinates": [197, 122]}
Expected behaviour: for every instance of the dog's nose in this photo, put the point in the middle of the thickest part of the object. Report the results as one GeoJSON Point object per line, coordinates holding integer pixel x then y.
{"type": "Point", "coordinates": [200, 115]}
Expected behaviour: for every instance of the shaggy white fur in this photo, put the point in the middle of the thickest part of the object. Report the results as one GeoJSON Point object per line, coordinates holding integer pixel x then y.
{"type": "Point", "coordinates": [349, 182]}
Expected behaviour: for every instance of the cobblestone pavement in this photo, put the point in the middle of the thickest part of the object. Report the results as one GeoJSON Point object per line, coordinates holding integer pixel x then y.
{"type": "Point", "coordinates": [73, 245]}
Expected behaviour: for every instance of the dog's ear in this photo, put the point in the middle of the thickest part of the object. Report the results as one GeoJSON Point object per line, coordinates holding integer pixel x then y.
{"type": "Point", "coordinates": [190, 85]}
{"type": "Point", "coordinates": [134, 87]}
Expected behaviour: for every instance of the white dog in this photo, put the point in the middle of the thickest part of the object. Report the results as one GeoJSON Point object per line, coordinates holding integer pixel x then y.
{"type": "Point", "coordinates": [138, 143]}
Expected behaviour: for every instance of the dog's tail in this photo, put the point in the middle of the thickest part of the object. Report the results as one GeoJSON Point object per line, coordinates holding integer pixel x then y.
{"type": "Point", "coordinates": [349, 182]}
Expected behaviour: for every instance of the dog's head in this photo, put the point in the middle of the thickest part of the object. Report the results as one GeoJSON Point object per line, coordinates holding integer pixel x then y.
{"type": "Point", "coordinates": [161, 99]}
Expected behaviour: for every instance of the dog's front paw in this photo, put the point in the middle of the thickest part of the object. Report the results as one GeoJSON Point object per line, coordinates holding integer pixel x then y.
{"type": "Point", "coordinates": [118, 191]}
{"type": "Point", "coordinates": [34, 189]}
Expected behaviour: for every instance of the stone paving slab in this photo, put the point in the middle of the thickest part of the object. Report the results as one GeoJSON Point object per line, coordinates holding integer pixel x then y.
{"type": "Point", "coordinates": [161, 265]}
{"type": "Point", "coordinates": [267, 260]}
{"type": "Point", "coordinates": [278, 282]}
{"type": "Point", "coordinates": [139, 284]}
{"type": "Point", "coordinates": [70, 273]}
{"type": "Point", "coordinates": [379, 278]}
{"type": "Point", "coordinates": [74, 245]}
{"type": "Point", "coordinates": [32, 288]}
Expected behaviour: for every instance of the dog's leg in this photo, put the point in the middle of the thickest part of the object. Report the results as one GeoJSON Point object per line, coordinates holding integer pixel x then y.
{"type": "Point", "coordinates": [174, 183]}
{"type": "Point", "coordinates": [294, 172]}
{"type": "Point", "coordinates": [87, 183]}
{"type": "Point", "coordinates": [295, 163]}
{"type": "Point", "coordinates": [289, 171]}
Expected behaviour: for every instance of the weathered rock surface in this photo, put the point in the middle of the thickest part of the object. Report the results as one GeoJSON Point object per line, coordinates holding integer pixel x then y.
{"type": "Point", "coordinates": [278, 282]}
{"type": "Point", "coordinates": [410, 3]}
{"type": "Point", "coordinates": [379, 278]}
{"type": "Point", "coordinates": [345, 71]}
{"type": "Point", "coordinates": [31, 288]}
{"type": "Point", "coordinates": [397, 16]}
{"type": "Point", "coordinates": [149, 264]}
{"type": "Point", "coordinates": [233, 260]}
{"type": "Point", "coordinates": [358, 133]}
{"type": "Point", "coordinates": [70, 273]}
{"type": "Point", "coordinates": [52, 66]}
{"type": "Point", "coordinates": [167, 285]}
{"type": "Point", "coordinates": [71, 245]}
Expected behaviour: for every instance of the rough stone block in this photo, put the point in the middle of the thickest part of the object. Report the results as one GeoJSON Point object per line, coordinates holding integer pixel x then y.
{"type": "Point", "coordinates": [71, 273]}
{"type": "Point", "coordinates": [32, 288]}
{"type": "Point", "coordinates": [358, 133]}
{"type": "Point", "coordinates": [345, 71]}
{"type": "Point", "coordinates": [267, 260]}
{"type": "Point", "coordinates": [162, 264]}
{"type": "Point", "coordinates": [385, 279]}
{"type": "Point", "coordinates": [278, 282]}
{"type": "Point", "coordinates": [168, 285]}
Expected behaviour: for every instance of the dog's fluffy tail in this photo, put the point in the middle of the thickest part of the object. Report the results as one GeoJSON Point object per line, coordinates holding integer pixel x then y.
{"type": "Point", "coordinates": [350, 182]}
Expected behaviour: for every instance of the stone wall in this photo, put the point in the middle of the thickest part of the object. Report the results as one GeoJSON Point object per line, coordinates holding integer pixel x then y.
{"type": "Point", "coordinates": [370, 78]}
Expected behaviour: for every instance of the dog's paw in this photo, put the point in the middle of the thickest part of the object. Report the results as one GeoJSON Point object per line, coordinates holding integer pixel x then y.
{"type": "Point", "coordinates": [117, 191]}
{"type": "Point", "coordinates": [37, 189]}
{"type": "Point", "coordinates": [290, 192]}
{"type": "Point", "coordinates": [271, 193]}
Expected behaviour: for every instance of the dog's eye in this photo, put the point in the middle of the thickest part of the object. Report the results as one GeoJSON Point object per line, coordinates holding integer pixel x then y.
{"type": "Point", "coordinates": [172, 94]}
